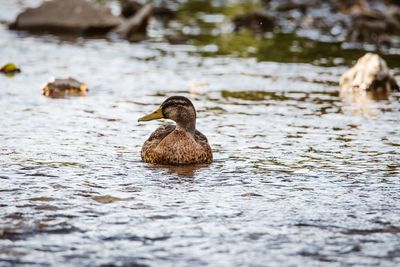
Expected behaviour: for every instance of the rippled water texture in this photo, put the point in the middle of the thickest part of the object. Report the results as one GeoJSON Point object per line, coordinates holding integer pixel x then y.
{"type": "Point", "coordinates": [299, 179]}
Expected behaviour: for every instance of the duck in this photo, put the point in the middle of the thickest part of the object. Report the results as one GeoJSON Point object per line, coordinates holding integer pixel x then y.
{"type": "Point", "coordinates": [179, 144]}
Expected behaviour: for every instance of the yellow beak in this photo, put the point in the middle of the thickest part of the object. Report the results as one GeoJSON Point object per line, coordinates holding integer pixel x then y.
{"type": "Point", "coordinates": [155, 115]}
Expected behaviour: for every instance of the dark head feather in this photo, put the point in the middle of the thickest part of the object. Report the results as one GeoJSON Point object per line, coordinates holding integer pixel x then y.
{"type": "Point", "coordinates": [176, 101]}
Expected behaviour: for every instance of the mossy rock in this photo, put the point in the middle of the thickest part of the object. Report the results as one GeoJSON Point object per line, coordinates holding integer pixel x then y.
{"type": "Point", "coordinates": [10, 68]}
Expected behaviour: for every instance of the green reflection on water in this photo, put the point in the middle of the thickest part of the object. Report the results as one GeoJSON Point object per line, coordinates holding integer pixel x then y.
{"type": "Point", "coordinates": [278, 47]}
{"type": "Point", "coordinates": [286, 48]}
{"type": "Point", "coordinates": [192, 8]}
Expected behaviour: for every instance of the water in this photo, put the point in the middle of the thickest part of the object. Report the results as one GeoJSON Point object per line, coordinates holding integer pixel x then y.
{"type": "Point", "coordinates": [300, 178]}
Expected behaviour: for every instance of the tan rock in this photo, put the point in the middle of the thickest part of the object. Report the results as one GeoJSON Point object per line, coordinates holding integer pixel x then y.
{"type": "Point", "coordinates": [369, 74]}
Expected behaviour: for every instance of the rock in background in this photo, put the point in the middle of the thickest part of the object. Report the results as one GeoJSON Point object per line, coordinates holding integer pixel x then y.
{"type": "Point", "coordinates": [370, 73]}
{"type": "Point", "coordinates": [356, 21]}
{"type": "Point", "coordinates": [67, 16]}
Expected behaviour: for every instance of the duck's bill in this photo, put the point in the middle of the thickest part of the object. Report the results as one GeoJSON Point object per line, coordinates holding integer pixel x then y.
{"type": "Point", "coordinates": [155, 115]}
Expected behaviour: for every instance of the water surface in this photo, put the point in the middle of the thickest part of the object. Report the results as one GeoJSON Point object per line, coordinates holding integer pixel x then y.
{"type": "Point", "coordinates": [300, 178]}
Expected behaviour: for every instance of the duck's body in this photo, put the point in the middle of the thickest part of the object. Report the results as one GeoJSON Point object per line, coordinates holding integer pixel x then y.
{"type": "Point", "coordinates": [167, 145]}
{"type": "Point", "coordinates": [176, 145]}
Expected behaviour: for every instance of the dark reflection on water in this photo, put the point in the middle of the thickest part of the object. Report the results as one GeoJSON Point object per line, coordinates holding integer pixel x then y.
{"type": "Point", "coordinates": [181, 171]}
{"type": "Point", "coordinates": [300, 177]}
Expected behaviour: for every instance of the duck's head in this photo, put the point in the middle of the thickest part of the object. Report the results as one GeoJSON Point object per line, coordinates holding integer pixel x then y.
{"type": "Point", "coordinates": [177, 108]}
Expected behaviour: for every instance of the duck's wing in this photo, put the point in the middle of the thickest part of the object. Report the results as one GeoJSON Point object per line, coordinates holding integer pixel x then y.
{"type": "Point", "coordinates": [201, 139]}
{"type": "Point", "coordinates": [156, 137]}
{"type": "Point", "coordinates": [161, 132]}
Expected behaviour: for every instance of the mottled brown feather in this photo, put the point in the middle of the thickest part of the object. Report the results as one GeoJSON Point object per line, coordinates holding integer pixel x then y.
{"type": "Point", "coordinates": [166, 145]}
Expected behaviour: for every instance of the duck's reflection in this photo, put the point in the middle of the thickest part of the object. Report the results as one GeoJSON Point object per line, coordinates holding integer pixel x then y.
{"type": "Point", "coordinates": [188, 171]}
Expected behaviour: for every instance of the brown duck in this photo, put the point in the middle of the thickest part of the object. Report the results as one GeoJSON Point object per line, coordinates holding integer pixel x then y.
{"type": "Point", "coordinates": [179, 144]}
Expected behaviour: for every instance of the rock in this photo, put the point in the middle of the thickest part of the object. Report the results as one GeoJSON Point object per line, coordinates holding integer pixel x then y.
{"type": "Point", "coordinates": [368, 81]}
{"type": "Point", "coordinates": [258, 21]}
{"type": "Point", "coordinates": [374, 26]}
{"type": "Point", "coordinates": [369, 74]}
{"type": "Point", "coordinates": [56, 88]}
{"type": "Point", "coordinates": [134, 28]}
{"type": "Point", "coordinates": [10, 69]}
{"type": "Point", "coordinates": [62, 16]}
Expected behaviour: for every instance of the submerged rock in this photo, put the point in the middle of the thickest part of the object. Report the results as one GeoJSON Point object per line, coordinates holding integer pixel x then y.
{"type": "Point", "coordinates": [10, 68]}
{"type": "Point", "coordinates": [71, 16]}
{"type": "Point", "coordinates": [369, 75]}
{"type": "Point", "coordinates": [56, 88]}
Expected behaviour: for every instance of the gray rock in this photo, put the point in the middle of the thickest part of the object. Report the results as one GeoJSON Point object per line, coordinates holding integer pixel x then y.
{"type": "Point", "coordinates": [67, 16]}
